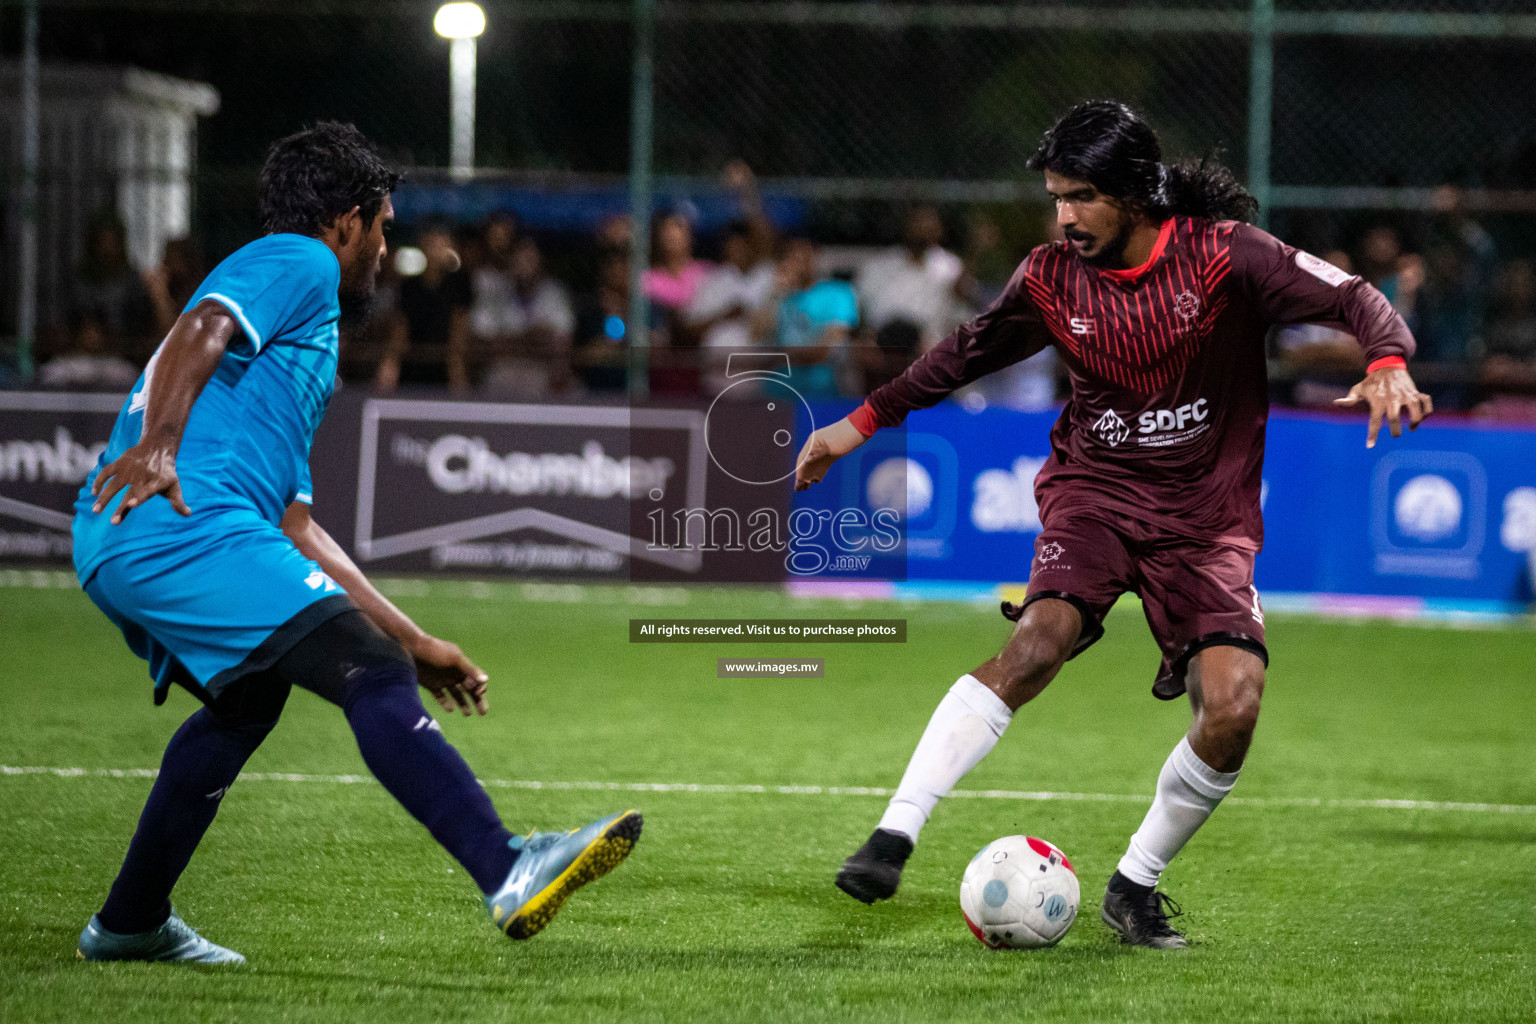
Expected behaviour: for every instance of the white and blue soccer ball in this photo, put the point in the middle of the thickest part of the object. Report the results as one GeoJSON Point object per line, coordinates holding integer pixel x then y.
{"type": "Point", "coordinates": [1019, 892]}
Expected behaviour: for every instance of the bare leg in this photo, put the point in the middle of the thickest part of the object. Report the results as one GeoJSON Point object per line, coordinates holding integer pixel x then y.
{"type": "Point", "coordinates": [1225, 687]}
{"type": "Point", "coordinates": [1040, 645]}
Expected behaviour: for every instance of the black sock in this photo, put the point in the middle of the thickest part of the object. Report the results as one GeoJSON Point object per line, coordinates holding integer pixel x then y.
{"type": "Point", "coordinates": [200, 763]}
{"type": "Point", "coordinates": [1120, 883]}
{"type": "Point", "coordinates": [406, 751]}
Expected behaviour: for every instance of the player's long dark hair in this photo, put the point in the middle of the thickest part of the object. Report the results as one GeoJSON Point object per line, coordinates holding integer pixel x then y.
{"type": "Point", "coordinates": [316, 175]}
{"type": "Point", "coordinates": [1108, 145]}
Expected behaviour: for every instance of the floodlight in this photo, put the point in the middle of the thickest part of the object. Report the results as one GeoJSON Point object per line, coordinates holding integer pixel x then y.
{"type": "Point", "coordinates": [459, 21]}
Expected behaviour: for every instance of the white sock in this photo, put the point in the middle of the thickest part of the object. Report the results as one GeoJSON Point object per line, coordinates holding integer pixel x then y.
{"type": "Point", "coordinates": [1188, 790]}
{"type": "Point", "coordinates": [963, 730]}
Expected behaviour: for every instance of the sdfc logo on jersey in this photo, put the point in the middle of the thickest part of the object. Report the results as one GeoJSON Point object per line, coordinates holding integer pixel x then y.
{"type": "Point", "coordinates": [1187, 305]}
{"type": "Point", "coordinates": [1111, 428]}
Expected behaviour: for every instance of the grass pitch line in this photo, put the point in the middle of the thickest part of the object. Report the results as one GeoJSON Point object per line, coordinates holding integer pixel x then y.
{"type": "Point", "coordinates": [751, 789]}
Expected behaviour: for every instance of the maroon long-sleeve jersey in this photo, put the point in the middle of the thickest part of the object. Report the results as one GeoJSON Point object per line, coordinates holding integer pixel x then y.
{"type": "Point", "coordinates": [1169, 385]}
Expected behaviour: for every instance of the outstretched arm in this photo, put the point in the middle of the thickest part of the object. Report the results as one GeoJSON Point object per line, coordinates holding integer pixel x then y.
{"type": "Point", "coordinates": [456, 682]}
{"type": "Point", "coordinates": [176, 376]}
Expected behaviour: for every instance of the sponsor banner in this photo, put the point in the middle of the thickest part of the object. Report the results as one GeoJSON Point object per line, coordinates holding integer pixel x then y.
{"type": "Point", "coordinates": [421, 485]}
{"type": "Point", "coordinates": [1444, 513]}
{"type": "Point", "coordinates": [49, 443]}
{"type": "Point", "coordinates": [1448, 511]}
{"type": "Point", "coordinates": [596, 491]}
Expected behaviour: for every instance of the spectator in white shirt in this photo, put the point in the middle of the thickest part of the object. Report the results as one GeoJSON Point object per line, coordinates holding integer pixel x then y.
{"type": "Point", "coordinates": [916, 282]}
{"type": "Point", "coordinates": [523, 319]}
{"type": "Point", "coordinates": [92, 365]}
{"type": "Point", "coordinates": [721, 310]}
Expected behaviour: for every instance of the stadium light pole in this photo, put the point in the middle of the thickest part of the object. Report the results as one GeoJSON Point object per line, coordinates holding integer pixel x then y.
{"type": "Point", "coordinates": [462, 23]}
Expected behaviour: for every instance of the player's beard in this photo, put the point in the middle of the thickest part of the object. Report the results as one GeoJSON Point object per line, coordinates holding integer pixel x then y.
{"type": "Point", "coordinates": [356, 298]}
{"type": "Point", "coordinates": [356, 310]}
{"type": "Point", "coordinates": [1111, 255]}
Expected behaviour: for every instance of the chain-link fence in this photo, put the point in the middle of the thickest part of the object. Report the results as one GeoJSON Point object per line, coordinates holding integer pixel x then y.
{"type": "Point", "coordinates": [1343, 120]}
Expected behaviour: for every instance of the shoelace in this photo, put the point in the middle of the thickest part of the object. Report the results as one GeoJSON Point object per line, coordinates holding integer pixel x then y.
{"type": "Point", "coordinates": [1160, 907]}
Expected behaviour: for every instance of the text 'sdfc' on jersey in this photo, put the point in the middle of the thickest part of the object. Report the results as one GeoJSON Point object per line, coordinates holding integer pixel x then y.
{"type": "Point", "coordinates": [1169, 386]}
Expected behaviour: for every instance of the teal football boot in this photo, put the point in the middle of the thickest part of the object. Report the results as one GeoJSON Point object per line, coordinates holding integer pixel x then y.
{"type": "Point", "coordinates": [173, 941]}
{"type": "Point", "coordinates": [552, 865]}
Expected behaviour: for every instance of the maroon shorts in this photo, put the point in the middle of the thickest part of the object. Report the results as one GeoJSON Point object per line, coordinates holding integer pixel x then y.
{"type": "Point", "coordinates": [1196, 594]}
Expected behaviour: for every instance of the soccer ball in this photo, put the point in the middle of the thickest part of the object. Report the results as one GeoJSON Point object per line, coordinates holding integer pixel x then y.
{"type": "Point", "coordinates": [1019, 892]}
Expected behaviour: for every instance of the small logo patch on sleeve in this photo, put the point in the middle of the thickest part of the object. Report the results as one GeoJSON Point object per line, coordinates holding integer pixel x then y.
{"type": "Point", "coordinates": [1322, 269]}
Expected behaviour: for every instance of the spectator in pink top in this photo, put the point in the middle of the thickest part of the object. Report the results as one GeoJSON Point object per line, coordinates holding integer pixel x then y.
{"type": "Point", "coordinates": [675, 275]}
{"type": "Point", "coordinates": [671, 283]}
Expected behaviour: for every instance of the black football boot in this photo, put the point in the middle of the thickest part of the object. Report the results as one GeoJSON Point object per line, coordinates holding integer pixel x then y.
{"type": "Point", "coordinates": [1140, 914]}
{"type": "Point", "coordinates": [874, 872]}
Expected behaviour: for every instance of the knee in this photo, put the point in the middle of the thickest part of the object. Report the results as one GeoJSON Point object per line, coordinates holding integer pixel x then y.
{"type": "Point", "coordinates": [1231, 707]}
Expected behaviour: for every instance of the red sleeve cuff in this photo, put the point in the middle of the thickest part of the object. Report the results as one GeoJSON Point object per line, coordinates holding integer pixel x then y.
{"type": "Point", "coordinates": [863, 420]}
{"type": "Point", "coordinates": [1386, 363]}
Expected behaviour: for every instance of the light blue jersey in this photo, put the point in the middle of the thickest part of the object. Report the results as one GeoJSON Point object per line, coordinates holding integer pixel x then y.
{"type": "Point", "coordinates": [246, 445]}
{"type": "Point", "coordinates": [223, 592]}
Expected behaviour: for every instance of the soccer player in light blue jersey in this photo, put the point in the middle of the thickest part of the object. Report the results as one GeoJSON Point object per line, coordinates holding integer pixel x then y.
{"type": "Point", "coordinates": [194, 536]}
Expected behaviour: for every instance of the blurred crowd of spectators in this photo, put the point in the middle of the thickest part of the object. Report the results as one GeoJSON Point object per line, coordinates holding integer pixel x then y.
{"type": "Point", "coordinates": [477, 309]}
{"type": "Point", "coordinates": [1471, 309]}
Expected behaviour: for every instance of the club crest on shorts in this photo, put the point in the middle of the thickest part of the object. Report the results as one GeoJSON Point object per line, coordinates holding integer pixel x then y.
{"type": "Point", "coordinates": [1187, 305]}
{"type": "Point", "coordinates": [1111, 428]}
{"type": "Point", "coordinates": [1051, 551]}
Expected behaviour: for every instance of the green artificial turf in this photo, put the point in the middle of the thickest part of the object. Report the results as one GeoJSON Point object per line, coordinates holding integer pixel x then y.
{"type": "Point", "coordinates": [1300, 911]}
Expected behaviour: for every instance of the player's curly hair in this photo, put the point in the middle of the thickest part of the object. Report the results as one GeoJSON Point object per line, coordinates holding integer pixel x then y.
{"type": "Point", "coordinates": [314, 176]}
{"type": "Point", "coordinates": [1110, 146]}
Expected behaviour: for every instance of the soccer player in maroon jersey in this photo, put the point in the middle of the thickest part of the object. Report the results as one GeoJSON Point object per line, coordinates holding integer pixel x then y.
{"type": "Point", "coordinates": [1158, 302]}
